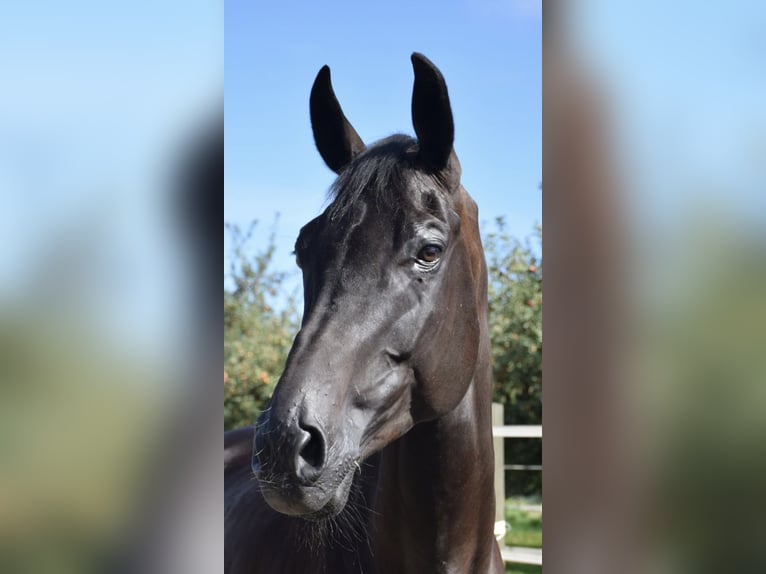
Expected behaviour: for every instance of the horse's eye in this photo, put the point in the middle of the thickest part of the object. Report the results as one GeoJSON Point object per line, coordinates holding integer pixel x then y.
{"type": "Point", "coordinates": [430, 253]}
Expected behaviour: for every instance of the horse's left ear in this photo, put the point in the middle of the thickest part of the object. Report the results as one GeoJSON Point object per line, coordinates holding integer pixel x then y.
{"type": "Point", "coordinates": [431, 113]}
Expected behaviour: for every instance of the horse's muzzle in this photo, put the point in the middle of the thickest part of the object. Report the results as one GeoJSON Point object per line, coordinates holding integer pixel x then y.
{"type": "Point", "coordinates": [290, 462]}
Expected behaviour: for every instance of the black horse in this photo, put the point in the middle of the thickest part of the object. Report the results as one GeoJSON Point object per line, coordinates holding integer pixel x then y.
{"type": "Point", "coordinates": [375, 452]}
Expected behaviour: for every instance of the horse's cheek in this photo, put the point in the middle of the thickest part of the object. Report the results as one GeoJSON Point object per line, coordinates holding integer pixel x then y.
{"type": "Point", "coordinates": [448, 374]}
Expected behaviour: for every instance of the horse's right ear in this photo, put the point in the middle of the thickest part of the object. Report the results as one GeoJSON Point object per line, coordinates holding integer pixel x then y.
{"type": "Point", "coordinates": [335, 138]}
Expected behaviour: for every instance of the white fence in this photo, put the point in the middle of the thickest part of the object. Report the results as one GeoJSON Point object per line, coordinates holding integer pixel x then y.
{"type": "Point", "coordinates": [501, 432]}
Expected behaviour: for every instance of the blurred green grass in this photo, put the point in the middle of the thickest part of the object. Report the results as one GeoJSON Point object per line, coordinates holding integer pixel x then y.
{"type": "Point", "coordinates": [525, 526]}
{"type": "Point", "coordinates": [525, 529]}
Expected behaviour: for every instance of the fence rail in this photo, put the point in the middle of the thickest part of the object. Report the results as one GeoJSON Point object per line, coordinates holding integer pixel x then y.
{"type": "Point", "coordinates": [518, 431]}
{"type": "Point", "coordinates": [523, 467]}
{"type": "Point", "coordinates": [501, 432]}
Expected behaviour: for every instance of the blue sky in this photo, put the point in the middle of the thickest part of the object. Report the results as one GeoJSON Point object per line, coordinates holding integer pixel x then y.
{"type": "Point", "coordinates": [489, 52]}
{"type": "Point", "coordinates": [686, 92]}
{"type": "Point", "coordinates": [98, 101]}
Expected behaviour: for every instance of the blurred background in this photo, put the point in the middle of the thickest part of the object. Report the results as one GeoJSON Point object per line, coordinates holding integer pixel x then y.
{"type": "Point", "coordinates": [655, 169]}
{"type": "Point", "coordinates": [110, 119]}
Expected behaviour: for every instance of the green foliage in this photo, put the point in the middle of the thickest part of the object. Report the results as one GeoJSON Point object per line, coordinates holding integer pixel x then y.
{"type": "Point", "coordinates": [257, 336]}
{"type": "Point", "coordinates": [516, 329]}
{"type": "Point", "coordinates": [515, 322]}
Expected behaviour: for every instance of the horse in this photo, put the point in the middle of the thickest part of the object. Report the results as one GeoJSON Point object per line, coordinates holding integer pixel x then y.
{"type": "Point", "coordinates": [374, 454]}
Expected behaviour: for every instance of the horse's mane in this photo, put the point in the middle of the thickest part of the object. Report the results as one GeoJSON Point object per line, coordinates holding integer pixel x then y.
{"type": "Point", "coordinates": [378, 172]}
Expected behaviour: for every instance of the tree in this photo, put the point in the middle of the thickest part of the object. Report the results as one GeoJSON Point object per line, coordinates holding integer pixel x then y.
{"type": "Point", "coordinates": [259, 325]}
{"type": "Point", "coordinates": [516, 329]}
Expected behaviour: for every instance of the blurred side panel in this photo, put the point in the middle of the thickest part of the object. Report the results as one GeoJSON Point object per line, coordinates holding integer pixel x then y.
{"type": "Point", "coordinates": [110, 185]}
{"type": "Point", "coordinates": [585, 479]}
{"type": "Point", "coordinates": [655, 290]}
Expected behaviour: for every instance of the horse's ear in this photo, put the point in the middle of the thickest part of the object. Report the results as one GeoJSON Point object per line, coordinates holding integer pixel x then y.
{"type": "Point", "coordinates": [335, 138]}
{"type": "Point", "coordinates": [431, 113]}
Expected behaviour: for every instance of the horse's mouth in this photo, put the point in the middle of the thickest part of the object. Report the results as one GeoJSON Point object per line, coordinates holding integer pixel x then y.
{"type": "Point", "coordinates": [337, 501]}
{"type": "Point", "coordinates": [312, 503]}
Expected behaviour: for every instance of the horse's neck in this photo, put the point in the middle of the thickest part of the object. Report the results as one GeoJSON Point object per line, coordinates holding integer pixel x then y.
{"type": "Point", "coordinates": [435, 499]}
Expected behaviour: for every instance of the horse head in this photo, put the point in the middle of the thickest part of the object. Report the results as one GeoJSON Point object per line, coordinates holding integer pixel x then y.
{"type": "Point", "coordinates": [394, 292]}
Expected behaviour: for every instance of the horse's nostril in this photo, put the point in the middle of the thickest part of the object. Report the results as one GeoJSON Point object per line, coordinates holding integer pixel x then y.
{"type": "Point", "coordinates": [312, 448]}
